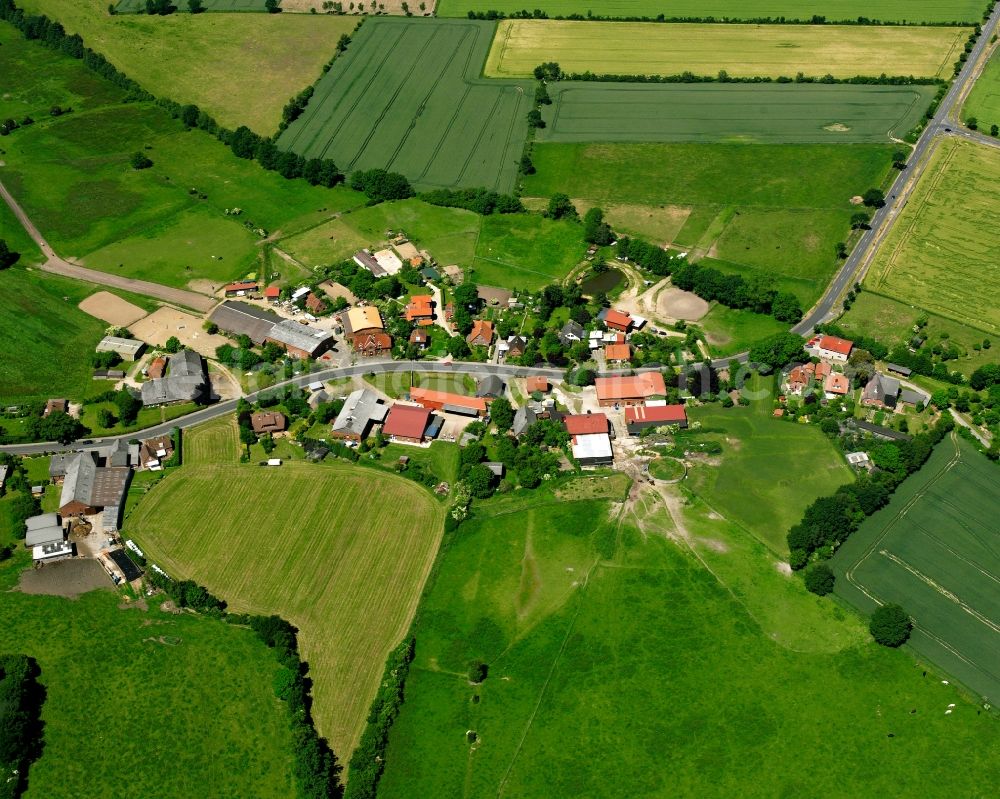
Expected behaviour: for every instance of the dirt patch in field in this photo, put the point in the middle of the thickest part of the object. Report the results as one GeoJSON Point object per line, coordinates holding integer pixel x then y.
{"type": "Point", "coordinates": [677, 304]}
{"type": "Point", "coordinates": [166, 322]}
{"type": "Point", "coordinates": [112, 309]}
{"type": "Point", "coordinates": [836, 127]}
{"type": "Point", "coordinates": [857, 199]}
{"type": "Point", "coordinates": [204, 286]}
{"type": "Point", "coordinates": [783, 568]}
{"type": "Point", "coordinates": [661, 223]}
{"type": "Point", "coordinates": [68, 578]}
{"type": "Point", "coordinates": [714, 544]}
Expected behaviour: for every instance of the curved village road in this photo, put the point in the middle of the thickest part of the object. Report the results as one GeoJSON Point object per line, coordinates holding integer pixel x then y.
{"type": "Point", "coordinates": [852, 271]}
{"type": "Point", "coordinates": [60, 266]}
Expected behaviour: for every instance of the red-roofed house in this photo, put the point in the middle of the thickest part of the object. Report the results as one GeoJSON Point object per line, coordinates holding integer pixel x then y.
{"type": "Point", "coordinates": [618, 320]}
{"type": "Point", "coordinates": [586, 424]}
{"type": "Point", "coordinates": [537, 384]}
{"type": "Point", "coordinates": [836, 385]}
{"type": "Point", "coordinates": [642, 416]}
{"type": "Point", "coordinates": [157, 368]}
{"type": "Point", "coordinates": [448, 402]}
{"type": "Point", "coordinates": [406, 423]}
{"type": "Point", "coordinates": [372, 343]}
{"type": "Point", "coordinates": [420, 309]}
{"type": "Point", "coordinates": [617, 352]}
{"type": "Point", "coordinates": [314, 304]}
{"type": "Point", "coordinates": [240, 288]}
{"type": "Point", "coordinates": [272, 293]}
{"type": "Point", "coordinates": [833, 348]}
{"type": "Point", "coordinates": [481, 335]}
{"type": "Point", "coordinates": [630, 390]}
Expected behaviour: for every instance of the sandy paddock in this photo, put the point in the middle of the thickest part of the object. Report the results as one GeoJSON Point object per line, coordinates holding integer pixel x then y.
{"type": "Point", "coordinates": [68, 578]}
{"type": "Point", "coordinates": [112, 309]}
{"type": "Point", "coordinates": [677, 304]}
{"type": "Point", "coordinates": [188, 328]}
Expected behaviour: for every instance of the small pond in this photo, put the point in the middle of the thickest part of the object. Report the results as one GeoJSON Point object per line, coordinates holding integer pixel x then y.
{"type": "Point", "coordinates": [602, 283]}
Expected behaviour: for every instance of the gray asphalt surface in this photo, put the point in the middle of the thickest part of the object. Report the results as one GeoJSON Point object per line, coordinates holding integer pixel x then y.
{"type": "Point", "coordinates": [847, 275]}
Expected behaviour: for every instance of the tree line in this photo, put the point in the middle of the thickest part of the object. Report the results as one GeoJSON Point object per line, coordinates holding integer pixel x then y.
{"type": "Point", "coordinates": [815, 19]}
{"type": "Point", "coordinates": [317, 771]}
{"type": "Point", "coordinates": [732, 290]}
{"type": "Point", "coordinates": [21, 725]}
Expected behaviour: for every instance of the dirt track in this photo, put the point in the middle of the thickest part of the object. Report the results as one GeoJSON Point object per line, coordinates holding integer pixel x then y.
{"type": "Point", "coordinates": [60, 266]}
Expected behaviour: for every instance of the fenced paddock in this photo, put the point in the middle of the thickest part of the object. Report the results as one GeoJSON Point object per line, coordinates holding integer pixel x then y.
{"type": "Point", "coordinates": [407, 96]}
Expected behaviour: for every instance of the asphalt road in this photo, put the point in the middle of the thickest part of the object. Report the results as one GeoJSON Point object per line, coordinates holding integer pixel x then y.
{"type": "Point", "coordinates": [851, 272]}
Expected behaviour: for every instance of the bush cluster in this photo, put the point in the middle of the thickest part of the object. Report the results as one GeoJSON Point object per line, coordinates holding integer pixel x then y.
{"type": "Point", "coordinates": [815, 19]}
{"type": "Point", "coordinates": [21, 700]}
{"type": "Point", "coordinates": [481, 201]}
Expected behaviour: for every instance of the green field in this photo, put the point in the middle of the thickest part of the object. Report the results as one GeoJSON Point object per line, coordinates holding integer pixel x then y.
{"type": "Point", "coordinates": [943, 253]}
{"type": "Point", "coordinates": [934, 550]}
{"type": "Point", "coordinates": [294, 541]}
{"type": "Point", "coordinates": [833, 10]}
{"type": "Point", "coordinates": [519, 251]}
{"type": "Point", "coordinates": [768, 209]}
{"type": "Point", "coordinates": [983, 102]}
{"type": "Point", "coordinates": [408, 96]}
{"type": "Point", "coordinates": [40, 310]}
{"type": "Point", "coordinates": [741, 50]}
{"type": "Point", "coordinates": [139, 7]}
{"type": "Point", "coordinates": [610, 654]}
{"type": "Point", "coordinates": [769, 471]}
{"type": "Point", "coordinates": [17, 238]}
{"type": "Point", "coordinates": [195, 58]}
{"type": "Point", "coordinates": [733, 330]}
{"type": "Point", "coordinates": [769, 113]}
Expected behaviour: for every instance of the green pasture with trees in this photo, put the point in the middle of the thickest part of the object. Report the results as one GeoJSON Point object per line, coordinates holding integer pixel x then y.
{"type": "Point", "coordinates": [407, 96]}
{"type": "Point", "coordinates": [776, 210]}
{"type": "Point", "coordinates": [597, 629]}
{"type": "Point", "coordinates": [933, 550]}
{"type": "Point", "coordinates": [912, 11]}
{"type": "Point", "coordinates": [769, 51]}
{"type": "Point", "coordinates": [941, 254]}
{"type": "Point", "coordinates": [731, 112]}
{"type": "Point", "coordinates": [983, 104]}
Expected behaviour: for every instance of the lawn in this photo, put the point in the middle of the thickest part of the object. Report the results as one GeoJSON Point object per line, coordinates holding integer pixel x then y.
{"type": "Point", "coordinates": [610, 673]}
{"type": "Point", "coordinates": [733, 330]}
{"type": "Point", "coordinates": [195, 58]}
{"type": "Point", "coordinates": [834, 10]}
{"type": "Point", "coordinates": [212, 442]}
{"type": "Point", "coordinates": [934, 550]}
{"type": "Point", "coordinates": [526, 251]}
{"type": "Point", "coordinates": [17, 237]}
{"type": "Point", "coordinates": [40, 310]}
{"type": "Point", "coordinates": [776, 210]}
{"type": "Point", "coordinates": [317, 544]}
{"type": "Point", "coordinates": [943, 254]}
{"type": "Point", "coordinates": [397, 384]}
{"type": "Point", "coordinates": [733, 112]}
{"type": "Point", "coordinates": [891, 323]}
{"type": "Point", "coordinates": [769, 470]}
{"type": "Point", "coordinates": [983, 102]}
{"type": "Point", "coordinates": [408, 96]}
{"type": "Point", "coordinates": [138, 7]}
{"type": "Point", "coordinates": [741, 50]}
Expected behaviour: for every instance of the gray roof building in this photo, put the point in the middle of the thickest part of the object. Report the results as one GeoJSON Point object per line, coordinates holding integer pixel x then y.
{"type": "Point", "coordinates": [571, 333]}
{"type": "Point", "coordinates": [905, 371]}
{"type": "Point", "coordinates": [300, 338]}
{"type": "Point", "coordinates": [317, 398]}
{"type": "Point", "coordinates": [523, 419]}
{"type": "Point", "coordinates": [58, 464]}
{"type": "Point", "coordinates": [490, 386]}
{"type": "Point", "coordinates": [365, 259]}
{"type": "Point", "coordinates": [185, 381]}
{"type": "Point", "coordinates": [909, 396]}
{"type": "Point", "coordinates": [128, 349]}
{"type": "Point", "coordinates": [361, 410]}
{"type": "Point", "coordinates": [242, 319]}
{"type": "Point", "coordinates": [881, 390]}
{"type": "Point", "coordinates": [882, 432]}
{"type": "Point", "coordinates": [44, 529]}
{"type": "Point", "coordinates": [120, 453]}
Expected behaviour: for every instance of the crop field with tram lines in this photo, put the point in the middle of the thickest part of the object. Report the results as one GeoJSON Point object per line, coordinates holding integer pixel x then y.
{"type": "Point", "coordinates": [751, 113]}
{"type": "Point", "coordinates": [930, 11]}
{"type": "Point", "coordinates": [935, 550]}
{"type": "Point", "coordinates": [407, 96]}
{"type": "Point", "coordinates": [843, 51]}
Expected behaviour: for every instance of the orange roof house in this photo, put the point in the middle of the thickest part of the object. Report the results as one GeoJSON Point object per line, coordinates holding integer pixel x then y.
{"type": "Point", "coordinates": [448, 402]}
{"type": "Point", "coordinates": [272, 292]}
{"type": "Point", "coordinates": [481, 335]}
{"type": "Point", "coordinates": [629, 390]}
{"type": "Point", "coordinates": [618, 320]}
{"type": "Point", "coordinates": [420, 308]}
{"type": "Point", "coordinates": [157, 368]}
{"type": "Point", "coordinates": [537, 384]}
{"type": "Point", "coordinates": [371, 342]}
{"type": "Point", "coordinates": [585, 424]}
{"type": "Point", "coordinates": [406, 423]}
{"type": "Point", "coordinates": [642, 416]}
{"type": "Point", "coordinates": [617, 352]}
{"type": "Point", "coordinates": [837, 385]}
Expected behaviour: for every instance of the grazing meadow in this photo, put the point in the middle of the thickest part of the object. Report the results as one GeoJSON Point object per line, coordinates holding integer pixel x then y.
{"type": "Point", "coordinates": [407, 96]}
{"type": "Point", "coordinates": [943, 252]}
{"type": "Point", "coordinates": [295, 541]}
{"type": "Point", "coordinates": [934, 550]}
{"type": "Point", "coordinates": [198, 58]}
{"type": "Point", "coordinates": [608, 641]}
{"type": "Point", "coordinates": [933, 11]}
{"type": "Point", "coordinates": [983, 103]}
{"type": "Point", "coordinates": [731, 112]}
{"type": "Point", "coordinates": [741, 50]}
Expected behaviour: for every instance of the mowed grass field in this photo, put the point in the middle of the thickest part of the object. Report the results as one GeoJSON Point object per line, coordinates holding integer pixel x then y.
{"type": "Point", "coordinates": [519, 251]}
{"type": "Point", "coordinates": [769, 470]}
{"type": "Point", "coordinates": [983, 102]}
{"type": "Point", "coordinates": [407, 96]}
{"type": "Point", "coordinates": [138, 7]}
{"type": "Point", "coordinates": [834, 10]}
{"type": "Point", "coordinates": [935, 550]}
{"type": "Point", "coordinates": [766, 209]}
{"type": "Point", "coordinates": [943, 253]}
{"type": "Point", "coordinates": [73, 178]}
{"type": "Point", "coordinates": [212, 442]}
{"type": "Point", "coordinates": [326, 547]}
{"type": "Point", "coordinates": [195, 58]}
{"type": "Point", "coordinates": [770, 113]}
{"type": "Point", "coordinates": [741, 50]}
{"type": "Point", "coordinates": [610, 655]}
